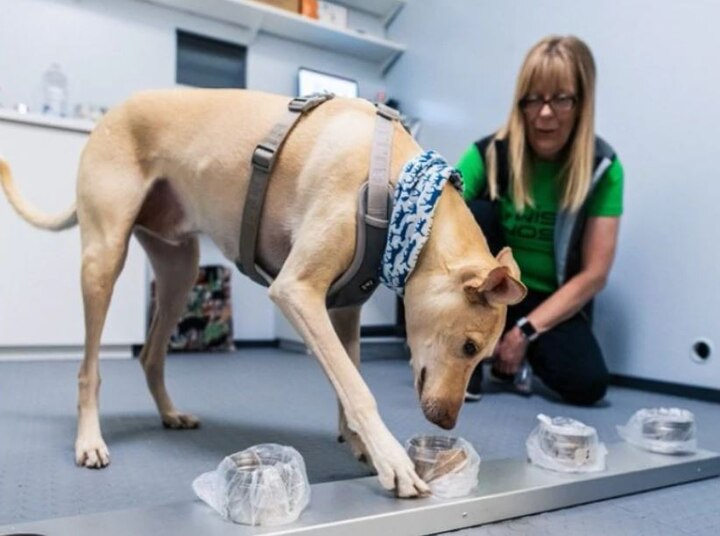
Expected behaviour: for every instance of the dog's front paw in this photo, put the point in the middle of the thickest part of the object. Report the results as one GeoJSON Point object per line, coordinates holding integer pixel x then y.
{"type": "Point", "coordinates": [92, 454]}
{"type": "Point", "coordinates": [394, 467]}
{"type": "Point", "coordinates": [180, 421]}
{"type": "Point", "coordinates": [396, 471]}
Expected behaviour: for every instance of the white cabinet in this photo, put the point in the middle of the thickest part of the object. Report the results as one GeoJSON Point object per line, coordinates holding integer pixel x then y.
{"type": "Point", "coordinates": [258, 17]}
{"type": "Point", "coordinates": [41, 313]}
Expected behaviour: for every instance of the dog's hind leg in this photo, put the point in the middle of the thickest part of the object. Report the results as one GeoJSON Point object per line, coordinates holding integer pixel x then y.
{"type": "Point", "coordinates": [175, 268]}
{"type": "Point", "coordinates": [104, 248]}
{"type": "Point", "coordinates": [346, 322]}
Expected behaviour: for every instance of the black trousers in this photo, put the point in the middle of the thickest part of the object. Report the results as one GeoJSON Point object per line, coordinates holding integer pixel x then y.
{"type": "Point", "coordinates": [567, 358]}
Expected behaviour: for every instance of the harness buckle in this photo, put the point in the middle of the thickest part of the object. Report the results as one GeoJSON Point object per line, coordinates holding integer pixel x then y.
{"type": "Point", "coordinates": [305, 104]}
{"type": "Point", "coordinates": [263, 157]}
{"type": "Point", "coordinates": [383, 110]}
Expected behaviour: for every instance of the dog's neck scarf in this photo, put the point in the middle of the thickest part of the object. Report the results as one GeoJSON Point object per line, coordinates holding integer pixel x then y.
{"type": "Point", "coordinates": [416, 195]}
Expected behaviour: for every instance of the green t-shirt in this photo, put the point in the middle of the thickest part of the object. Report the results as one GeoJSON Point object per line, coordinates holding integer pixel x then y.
{"type": "Point", "coordinates": [530, 234]}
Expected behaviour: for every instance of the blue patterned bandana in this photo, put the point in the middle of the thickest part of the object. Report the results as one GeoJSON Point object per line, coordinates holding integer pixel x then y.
{"type": "Point", "coordinates": [415, 198]}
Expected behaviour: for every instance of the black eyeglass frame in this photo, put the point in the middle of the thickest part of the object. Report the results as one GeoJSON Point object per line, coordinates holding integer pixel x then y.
{"type": "Point", "coordinates": [554, 102]}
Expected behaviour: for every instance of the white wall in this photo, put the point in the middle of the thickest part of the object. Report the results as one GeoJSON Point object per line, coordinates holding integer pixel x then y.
{"type": "Point", "coordinates": [110, 48]}
{"type": "Point", "coordinates": [657, 105]}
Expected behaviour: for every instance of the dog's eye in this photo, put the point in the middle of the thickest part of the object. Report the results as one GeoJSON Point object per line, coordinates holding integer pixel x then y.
{"type": "Point", "coordinates": [469, 348]}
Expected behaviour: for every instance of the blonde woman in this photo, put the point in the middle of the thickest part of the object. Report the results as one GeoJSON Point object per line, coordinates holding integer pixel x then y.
{"type": "Point", "coordinates": [548, 187]}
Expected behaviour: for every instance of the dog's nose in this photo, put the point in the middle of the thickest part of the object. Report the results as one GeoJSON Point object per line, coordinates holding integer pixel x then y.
{"type": "Point", "coordinates": [438, 413]}
{"type": "Point", "coordinates": [446, 422]}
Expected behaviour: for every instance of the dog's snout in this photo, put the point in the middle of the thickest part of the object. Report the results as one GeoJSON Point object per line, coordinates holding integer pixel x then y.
{"type": "Point", "coordinates": [421, 381]}
{"type": "Point", "coordinates": [446, 421]}
{"type": "Point", "coordinates": [441, 414]}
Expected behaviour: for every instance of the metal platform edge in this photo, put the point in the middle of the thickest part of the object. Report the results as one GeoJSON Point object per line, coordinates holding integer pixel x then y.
{"type": "Point", "coordinates": [507, 489]}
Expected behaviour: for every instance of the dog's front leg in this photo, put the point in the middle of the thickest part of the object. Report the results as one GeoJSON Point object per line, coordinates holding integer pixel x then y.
{"type": "Point", "coordinates": [346, 322]}
{"type": "Point", "coordinates": [303, 303]}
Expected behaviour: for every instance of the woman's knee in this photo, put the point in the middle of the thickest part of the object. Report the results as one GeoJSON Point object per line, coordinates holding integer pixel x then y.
{"type": "Point", "coordinates": [587, 390]}
{"type": "Point", "coordinates": [570, 362]}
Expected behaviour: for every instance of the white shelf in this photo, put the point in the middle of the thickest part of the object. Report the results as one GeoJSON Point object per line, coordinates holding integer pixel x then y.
{"type": "Point", "coordinates": [63, 123]}
{"type": "Point", "coordinates": [259, 17]}
{"type": "Point", "coordinates": [385, 10]}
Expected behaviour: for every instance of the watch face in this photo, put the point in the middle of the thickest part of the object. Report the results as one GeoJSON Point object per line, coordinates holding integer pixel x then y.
{"type": "Point", "coordinates": [527, 329]}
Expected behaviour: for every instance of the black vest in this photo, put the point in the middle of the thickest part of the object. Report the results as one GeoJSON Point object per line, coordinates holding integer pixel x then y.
{"type": "Point", "coordinates": [570, 227]}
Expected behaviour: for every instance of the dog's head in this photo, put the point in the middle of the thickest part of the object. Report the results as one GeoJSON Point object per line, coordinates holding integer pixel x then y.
{"type": "Point", "coordinates": [454, 320]}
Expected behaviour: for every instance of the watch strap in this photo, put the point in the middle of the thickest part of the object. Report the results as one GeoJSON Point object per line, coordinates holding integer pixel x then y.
{"type": "Point", "coordinates": [527, 329]}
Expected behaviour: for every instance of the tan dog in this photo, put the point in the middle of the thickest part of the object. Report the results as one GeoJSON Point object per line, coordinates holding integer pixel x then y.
{"type": "Point", "coordinates": [168, 165]}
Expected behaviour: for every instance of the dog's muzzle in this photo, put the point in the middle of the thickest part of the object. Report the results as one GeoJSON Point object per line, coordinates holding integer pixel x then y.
{"type": "Point", "coordinates": [440, 412]}
{"type": "Point", "coordinates": [421, 382]}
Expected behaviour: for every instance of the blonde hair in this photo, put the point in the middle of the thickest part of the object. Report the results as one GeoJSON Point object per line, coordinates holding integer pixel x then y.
{"type": "Point", "coordinates": [553, 56]}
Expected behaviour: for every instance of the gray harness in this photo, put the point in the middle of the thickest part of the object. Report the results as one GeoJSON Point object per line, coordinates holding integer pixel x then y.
{"type": "Point", "coordinates": [360, 280]}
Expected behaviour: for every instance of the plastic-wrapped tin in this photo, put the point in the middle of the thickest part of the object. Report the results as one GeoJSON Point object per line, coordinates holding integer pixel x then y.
{"type": "Point", "coordinates": [448, 464]}
{"type": "Point", "coordinates": [663, 430]}
{"type": "Point", "coordinates": [264, 485]}
{"type": "Point", "coordinates": [565, 445]}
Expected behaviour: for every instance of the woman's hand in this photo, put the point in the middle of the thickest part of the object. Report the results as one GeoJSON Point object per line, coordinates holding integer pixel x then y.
{"type": "Point", "coordinates": [510, 352]}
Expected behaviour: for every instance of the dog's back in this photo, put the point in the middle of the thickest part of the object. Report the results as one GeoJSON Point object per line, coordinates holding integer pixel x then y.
{"type": "Point", "coordinates": [187, 154]}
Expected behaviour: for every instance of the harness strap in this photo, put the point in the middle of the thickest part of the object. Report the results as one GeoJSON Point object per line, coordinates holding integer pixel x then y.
{"type": "Point", "coordinates": [361, 278]}
{"type": "Point", "coordinates": [263, 162]}
{"type": "Point", "coordinates": [380, 165]}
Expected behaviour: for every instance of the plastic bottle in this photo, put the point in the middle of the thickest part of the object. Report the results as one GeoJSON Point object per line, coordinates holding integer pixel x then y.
{"type": "Point", "coordinates": [55, 91]}
{"type": "Point", "coordinates": [523, 379]}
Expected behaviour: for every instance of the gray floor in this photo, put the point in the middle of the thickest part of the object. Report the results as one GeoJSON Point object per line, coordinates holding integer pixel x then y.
{"type": "Point", "coordinates": [257, 396]}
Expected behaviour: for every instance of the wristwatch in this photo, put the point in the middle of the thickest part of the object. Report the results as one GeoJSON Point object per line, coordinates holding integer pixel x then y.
{"type": "Point", "coordinates": [527, 329]}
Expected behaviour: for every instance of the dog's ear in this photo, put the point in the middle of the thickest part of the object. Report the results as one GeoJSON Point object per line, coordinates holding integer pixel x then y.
{"type": "Point", "coordinates": [511, 290]}
{"type": "Point", "coordinates": [505, 258]}
{"type": "Point", "coordinates": [502, 288]}
{"type": "Point", "coordinates": [497, 287]}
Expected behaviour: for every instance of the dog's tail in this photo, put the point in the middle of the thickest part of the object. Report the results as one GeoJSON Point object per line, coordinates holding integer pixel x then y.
{"type": "Point", "coordinates": [51, 222]}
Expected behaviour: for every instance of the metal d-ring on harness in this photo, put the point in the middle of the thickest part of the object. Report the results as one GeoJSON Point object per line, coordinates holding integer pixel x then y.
{"type": "Point", "coordinates": [359, 281]}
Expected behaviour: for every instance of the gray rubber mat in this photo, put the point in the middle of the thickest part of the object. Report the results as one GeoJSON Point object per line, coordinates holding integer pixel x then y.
{"type": "Point", "coordinates": [256, 396]}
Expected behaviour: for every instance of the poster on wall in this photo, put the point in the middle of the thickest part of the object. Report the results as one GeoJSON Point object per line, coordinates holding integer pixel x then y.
{"type": "Point", "coordinates": [206, 324]}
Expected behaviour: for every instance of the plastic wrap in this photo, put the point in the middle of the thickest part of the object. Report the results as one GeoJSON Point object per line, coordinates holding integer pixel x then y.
{"type": "Point", "coordinates": [449, 465]}
{"type": "Point", "coordinates": [565, 445]}
{"type": "Point", "coordinates": [663, 430]}
{"type": "Point", "coordinates": [264, 485]}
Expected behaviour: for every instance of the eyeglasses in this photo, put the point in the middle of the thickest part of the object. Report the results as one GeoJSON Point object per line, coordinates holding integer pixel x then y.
{"type": "Point", "coordinates": [532, 104]}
